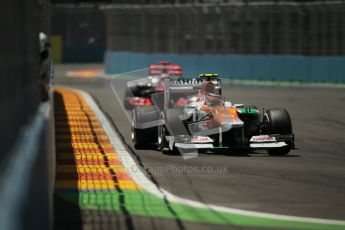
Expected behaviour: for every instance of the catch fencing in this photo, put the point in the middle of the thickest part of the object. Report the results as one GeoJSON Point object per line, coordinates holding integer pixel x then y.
{"type": "Point", "coordinates": [261, 40]}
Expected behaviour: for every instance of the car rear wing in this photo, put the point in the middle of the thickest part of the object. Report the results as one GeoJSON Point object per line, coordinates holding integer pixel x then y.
{"type": "Point", "coordinates": [171, 69]}
{"type": "Point", "coordinates": [190, 83]}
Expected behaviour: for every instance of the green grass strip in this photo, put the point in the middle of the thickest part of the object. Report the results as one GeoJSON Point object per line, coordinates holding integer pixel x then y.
{"type": "Point", "coordinates": [142, 203]}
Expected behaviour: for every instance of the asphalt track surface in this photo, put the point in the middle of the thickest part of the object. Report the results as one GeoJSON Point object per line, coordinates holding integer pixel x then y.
{"type": "Point", "coordinates": [308, 182]}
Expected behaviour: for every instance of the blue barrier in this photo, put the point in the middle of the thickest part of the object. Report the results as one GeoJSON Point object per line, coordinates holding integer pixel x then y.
{"type": "Point", "coordinates": [251, 67]}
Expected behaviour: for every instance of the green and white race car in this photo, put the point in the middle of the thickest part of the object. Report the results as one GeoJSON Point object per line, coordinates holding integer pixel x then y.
{"type": "Point", "coordinates": [191, 115]}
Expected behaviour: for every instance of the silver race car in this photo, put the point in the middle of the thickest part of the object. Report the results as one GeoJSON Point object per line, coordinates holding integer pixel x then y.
{"type": "Point", "coordinates": [192, 115]}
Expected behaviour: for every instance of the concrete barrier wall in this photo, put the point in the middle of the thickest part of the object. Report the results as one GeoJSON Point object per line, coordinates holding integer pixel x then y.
{"type": "Point", "coordinates": [19, 69]}
{"type": "Point", "coordinates": [26, 185]}
{"type": "Point", "coordinates": [26, 141]}
{"type": "Point", "coordinates": [252, 67]}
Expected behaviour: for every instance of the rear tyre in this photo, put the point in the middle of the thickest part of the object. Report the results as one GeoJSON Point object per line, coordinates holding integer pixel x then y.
{"type": "Point", "coordinates": [278, 122]}
{"type": "Point", "coordinates": [146, 136]}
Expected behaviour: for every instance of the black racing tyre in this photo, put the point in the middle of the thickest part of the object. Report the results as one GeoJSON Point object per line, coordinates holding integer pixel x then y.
{"type": "Point", "coordinates": [143, 137]}
{"type": "Point", "coordinates": [278, 122]}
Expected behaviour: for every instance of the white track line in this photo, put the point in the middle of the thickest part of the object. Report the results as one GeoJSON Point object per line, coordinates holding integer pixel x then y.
{"type": "Point", "coordinates": [149, 186]}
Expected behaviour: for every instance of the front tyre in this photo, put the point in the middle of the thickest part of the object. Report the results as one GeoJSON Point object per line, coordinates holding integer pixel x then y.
{"type": "Point", "coordinates": [278, 121]}
{"type": "Point", "coordinates": [143, 137]}
{"type": "Point", "coordinates": [138, 138]}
